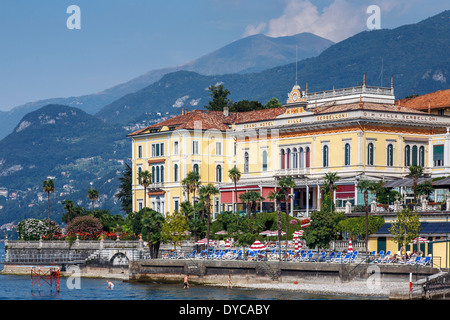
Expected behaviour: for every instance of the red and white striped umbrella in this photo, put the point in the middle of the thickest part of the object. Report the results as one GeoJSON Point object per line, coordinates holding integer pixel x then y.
{"type": "Point", "coordinates": [257, 245]}
{"type": "Point", "coordinates": [227, 244]}
{"type": "Point", "coordinates": [419, 239]}
{"type": "Point", "coordinates": [298, 233]}
{"type": "Point", "coordinates": [298, 245]}
{"type": "Point", "coordinates": [350, 247]}
{"type": "Point", "coordinates": [266, 233]}
{"type": "Point", "coordinates": [203, 241]}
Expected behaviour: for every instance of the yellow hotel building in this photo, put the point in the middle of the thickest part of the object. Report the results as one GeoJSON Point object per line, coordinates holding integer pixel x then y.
{"type": "Point", "coordinates": [358, 132]}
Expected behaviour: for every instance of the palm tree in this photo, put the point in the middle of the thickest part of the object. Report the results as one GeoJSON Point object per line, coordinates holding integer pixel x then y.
{"type": "Point", "coordinates": [365, 186]}
{"type": "Point", "coordinates": [277, 196]}
{"type": "Point", "coordinates": [250, 198]}
{"type": "Point", "coordinates": [286, 184]}
{"type": "Point", "coordinates": [235, 175]}
{"type": "Point", "coordinates": [255, 198]}
{"type": "Point", "coordinates": [68, 206]}
{"type": "Point", "coordinates": [246, 198]}
{"type": "Point", "coordinates": [191, 183]}
{"type": "Point", "coordinates": [194, 177]}
{"type": "Point", "coordinates": [93, 196]}
{"type": "Point", "coordinates": [415, 172]}
{"type": "Point", "coordinates": [208, 191]}
{"type": "Point", "coordinates": [145, 179]}
{"type": "Point", "coordinates": [330, 180]}
{"type": "Point", "coordinates": [48, 186]}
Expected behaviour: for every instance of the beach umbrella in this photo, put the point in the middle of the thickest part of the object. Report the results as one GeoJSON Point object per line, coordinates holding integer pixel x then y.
{"type": "Point", "coordinates": [221, 232]}
{"type": "Point", "coordinates": [296, 247]}
{"type": "Point", "coordinates": [227, 244]}
{"type": "Point", "coordinates": [257, 245]}
{"type": "Point", "coordinates": [298, 233]}
{"type": "Point", "coordinates": [203, 241]}
{"type": "Point", "coordinates": [266, 233]}
{"type": "Point", "coordinates": [350, 247]}
{"type": "Point", "coordinates": [305, 225]}
{"type": "Point", "coordinates": [419, 239]}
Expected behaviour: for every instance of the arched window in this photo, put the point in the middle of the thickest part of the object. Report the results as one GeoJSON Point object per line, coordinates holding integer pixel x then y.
{"type": "Point", "coordinates": [407, 156]}
{"type": "Point", "coordinates": [422, 156]}
{"type": "Point", "coordinates": [370, 154]}
{"type": "Point", "coordinates": [347, 154]}
{"type": "Point", "coordinates": [390, 155]}
{"type": "Point", "coordinates": [219, 173]}
{"type": "Point", "coordinates": [175, 172]}
{"type": "Point", "coordinates": [301, 155]}
{"type": "Point", "coordinates": [414, 155]}
{"type": "Point", "coordinates": [288, 159]}
{"type": "Point", "coordinates": [308, 156]}
{"type": "Point", "coordinates": [162, 173]}
{"type": "Point", "coordinates": [246, 162]}
{"type": "Point", "coordinates": [283, 159]}
{"type": "Point", "coordinates": [325, 156]}
{"type": "Point", "coordinates": [153, 175]}
{"type": "Point", "coordinates": [157, 174]}
{"type": "Point", "coordinates": [294, 158]}
{"type": "Point", "coordinates": [264, 160]}
{"type": "Point", "coordinates": [196, 168]}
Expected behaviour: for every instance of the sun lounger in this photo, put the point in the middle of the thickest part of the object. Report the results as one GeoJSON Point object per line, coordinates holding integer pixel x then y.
{"type": "Point", "coordinates": [425, 261]}
{"type": "Point", "coordinates": [413, 260]}
{"type": "Point", "coordinates": [337, 258]}
{"type": "Point", "coordinates": [330, 256]}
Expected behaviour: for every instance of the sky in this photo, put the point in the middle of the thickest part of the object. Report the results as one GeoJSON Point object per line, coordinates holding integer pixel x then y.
{"type": "Point", "coordinates": [43, 55]}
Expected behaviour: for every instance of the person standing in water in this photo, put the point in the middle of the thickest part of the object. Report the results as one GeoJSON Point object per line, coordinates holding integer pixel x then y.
{"type": "Point", "coordinates": [230, 284]}
{"type": "Point", "coordinates": [186, 282]}
{"type": "Point", "coordinates": [110, 284]}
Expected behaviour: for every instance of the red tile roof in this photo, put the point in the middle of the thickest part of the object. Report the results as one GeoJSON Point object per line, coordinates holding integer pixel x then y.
{"type": "Point", "coordinates": [436, 100]}
{"type": "Point", "coordinates": [218, 121]}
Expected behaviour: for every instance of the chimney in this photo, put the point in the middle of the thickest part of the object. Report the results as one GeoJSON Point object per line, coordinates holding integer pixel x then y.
{"type": "Point", "coordinates": [226, 111]}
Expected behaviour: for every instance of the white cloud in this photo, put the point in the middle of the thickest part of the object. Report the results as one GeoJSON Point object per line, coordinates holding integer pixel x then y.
{"type": "Point", "coordinates": [180, 102]}
{"type": "Point", "coordinates": [252, 30]}
{"type": "Point", "coordinates": [338, 21]}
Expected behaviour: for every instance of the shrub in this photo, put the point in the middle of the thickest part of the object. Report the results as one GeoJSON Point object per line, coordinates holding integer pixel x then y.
{"type": "Point", "coordinates": [33, 229]}
{"type": "Point", "coordinates": [87, 227]}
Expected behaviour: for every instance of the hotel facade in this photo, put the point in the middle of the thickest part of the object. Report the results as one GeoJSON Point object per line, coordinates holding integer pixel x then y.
{"type": "Point", "coordinates": [359, 133]}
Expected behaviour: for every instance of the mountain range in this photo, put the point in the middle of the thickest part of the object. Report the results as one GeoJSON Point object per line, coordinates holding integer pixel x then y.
{"type": "Point", "coordinates": [82, 149]}
{"type": "Point", "coordinates": [417, 56]}
{"type": "Point", "coordinates": [250, 54]}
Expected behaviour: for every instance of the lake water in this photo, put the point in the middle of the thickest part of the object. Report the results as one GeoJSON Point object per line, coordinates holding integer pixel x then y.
{"type": "Point", "coordinates": [14, 287]}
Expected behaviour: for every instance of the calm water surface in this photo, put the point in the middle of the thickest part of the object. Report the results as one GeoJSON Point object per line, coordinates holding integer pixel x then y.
{"type": "Point", "coordinates": [14, 287]}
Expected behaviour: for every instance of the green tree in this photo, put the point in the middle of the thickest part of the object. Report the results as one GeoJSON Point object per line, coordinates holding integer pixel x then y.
{"type": "Point", "coordinates": [321, 230]}
{"type": "Point", "coordinates": [235, 175]}
{"type": "Point", "coordinates": [68, 206]}
{"type": "Point", "coordinates": [366, 186]}
{"type": "Point", "coordinates": [48, 186]}
{"type": "Point", "coordinates": [208, 191]}
{"type": "Point", "coordinates": [425, 188]}
{"type": "Point", "coordinates": [174, 228]}
{"type": "Point", "coordinates": [245, 105]}
{"type": "Point", "coordinates": [93, 196]}
{"type": "Point", "coordinates": [219, 97]}
{"type": "Point", "coordinates": [415, 172]}
{"type": "Point", "coordinates": [191, 183]}
{"type": "Point", "coordinates": [406, 227]}
{"type": "Point", "coordinates": [145, 179]}
{"type": "Point", "coordinates": [125, 192]}
{"type": "Point", "coordinates": [151, 228]}
{"type": "Point", "coordinates": [286, 184]}
{"type": "Point", "coordinates": [330, 182]}
{"type": "Point", "coordinates": [273, 103]}
{"type": "Point", "coordinates": [278, 197]}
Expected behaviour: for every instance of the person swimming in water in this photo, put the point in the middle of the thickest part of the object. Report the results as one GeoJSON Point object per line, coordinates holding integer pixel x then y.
{"type": "Point", "coordinates": [110, 284]}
